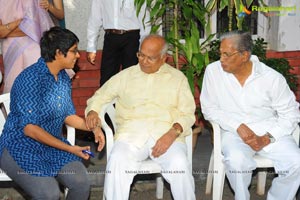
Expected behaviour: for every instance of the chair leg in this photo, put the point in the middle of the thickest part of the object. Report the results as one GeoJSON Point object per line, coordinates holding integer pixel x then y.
{"type": "Point", "coordinates": [66, 192]}
{"type": "Point", "coordinates": [209, 178]}
{"type": "Point", "coordinates": [159, 187]}
{"type": "Point", "coordinates": [261, 182]}
{"type": "Point", "coordinates": [218, 182]}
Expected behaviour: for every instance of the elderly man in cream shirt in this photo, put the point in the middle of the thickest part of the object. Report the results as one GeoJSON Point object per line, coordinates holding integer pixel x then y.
{"type": "Point", "coordinates": [154, 111]}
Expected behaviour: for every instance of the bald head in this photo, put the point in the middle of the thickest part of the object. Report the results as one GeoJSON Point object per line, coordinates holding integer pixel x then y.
{"type": "Point", "coordinates": [156, 41]}
{"type": "Point", "coordinates": [153, 53]}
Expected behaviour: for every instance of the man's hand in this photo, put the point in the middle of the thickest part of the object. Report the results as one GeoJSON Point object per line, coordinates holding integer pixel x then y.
{"type": "Point", "coordinates": [163, 143]}
{"type": "Point", "coordinates": [99, 137]}
{"type": "Point", "coordinates": [250, 138]}
{"type": "Point", "coordinates": [92, 120]}
{"type": "Point", "coordinates": [245, 132]}
{"type": "Point", "coordinates": [258, 142]}
{"type": "Point", "coordinates": [91, 57]}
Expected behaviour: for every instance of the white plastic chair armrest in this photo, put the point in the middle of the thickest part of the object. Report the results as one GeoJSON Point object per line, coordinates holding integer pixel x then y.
{"type": "Point", "coordinates": [71, 134]}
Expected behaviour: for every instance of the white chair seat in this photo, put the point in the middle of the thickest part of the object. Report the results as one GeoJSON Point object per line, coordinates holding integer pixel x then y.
{"type": "Point", "coordinates": [150, 167]}
{"type": "Point", "coordinates": [216, 171]}
{"type": "Point", "coordinates": [3, 176]}
{"type": "Point", "coordinates": [263, 162]}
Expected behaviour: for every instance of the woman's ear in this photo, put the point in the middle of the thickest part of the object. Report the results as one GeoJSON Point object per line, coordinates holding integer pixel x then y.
{"type": "Point", "coordinates": [57, 51]}
{"type": "Point", "coordinates": [58, 54]}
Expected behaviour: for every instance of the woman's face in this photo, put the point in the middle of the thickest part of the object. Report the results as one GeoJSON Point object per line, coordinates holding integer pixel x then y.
{"type": "Point", "coordinates": [71, 57]}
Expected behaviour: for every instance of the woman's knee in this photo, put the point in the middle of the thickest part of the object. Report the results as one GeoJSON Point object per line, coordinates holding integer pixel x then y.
{"type": "Point", "coordinates": [49, 192]}
{"type": "Point", "coordinates": [77, 179]}
{"type": "Point", "coordinates": [81, 182]}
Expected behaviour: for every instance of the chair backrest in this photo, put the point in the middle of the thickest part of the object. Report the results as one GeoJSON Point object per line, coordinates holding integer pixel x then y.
{"type": "Point", "coordinates": [296, 134]}
{"type": "Point", "coordinates": [110, 110]}
{"type": "Point", "coordinates": [4, 109]}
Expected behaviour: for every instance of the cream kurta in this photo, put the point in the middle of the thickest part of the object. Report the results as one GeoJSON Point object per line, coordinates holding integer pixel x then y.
{"type": "Point", "coordinates": [147, 105]}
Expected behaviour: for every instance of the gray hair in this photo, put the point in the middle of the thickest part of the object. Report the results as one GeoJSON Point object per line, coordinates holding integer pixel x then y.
{"type": "Point", "coordinates": [165, 48]}
{"type": "Point", "coordinates": [242, 40]}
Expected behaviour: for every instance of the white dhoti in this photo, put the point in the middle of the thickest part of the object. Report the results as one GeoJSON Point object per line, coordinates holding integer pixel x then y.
{"type": "Point", "coordinates": [239, 163]}
{"type": "Point", "coordinates": [124, 163]}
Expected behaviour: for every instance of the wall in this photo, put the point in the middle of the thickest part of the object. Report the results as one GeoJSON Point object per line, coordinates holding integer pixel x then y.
{"type": "Point", "coordinates": [294, 59]}
{"type": "Point", "coordinates": [86, 81]}
{"type": "Point", "coordinates": [76, 17]}
{"type": "Point", "coordinates": [282, 29]}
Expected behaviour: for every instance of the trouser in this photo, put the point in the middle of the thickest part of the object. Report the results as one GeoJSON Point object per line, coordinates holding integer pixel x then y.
{"type": "Point", "coordinates": [239, 163]}
{"type": "Point", "coordinates": [124, 162]}
{"type": "Point", "coordinates": [73, 176]}
{"type": "Point", "coordinates": [118, 50]}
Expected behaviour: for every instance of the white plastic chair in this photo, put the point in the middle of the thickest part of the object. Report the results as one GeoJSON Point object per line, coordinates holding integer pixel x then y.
{"type": "Point", "coordinates": [216, 171]}
{"type": "Point", "coordinates": [4, 110]}
{"type": "Point", "coordinates": [147, 165]}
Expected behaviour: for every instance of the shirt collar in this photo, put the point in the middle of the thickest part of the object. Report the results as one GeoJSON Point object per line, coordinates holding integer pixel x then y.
{"type": "Point", "coordinates": [256, 66]}
{"type": "Point", "coordinates": [162, 69]}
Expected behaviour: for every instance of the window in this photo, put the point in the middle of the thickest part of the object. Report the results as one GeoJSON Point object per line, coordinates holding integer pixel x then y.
{"type": "Point", "coordinates": [249, 24]}
{"type": "Point", "coordinates": [169, 18]}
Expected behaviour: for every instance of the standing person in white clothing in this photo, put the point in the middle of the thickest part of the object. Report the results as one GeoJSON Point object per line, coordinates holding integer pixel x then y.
{"type": "Point", "coordinates": [123, 30]}
{"type": "Point", "coordinates": [154, 112]}
{"type": "Point", "coordinates": [257, 113]}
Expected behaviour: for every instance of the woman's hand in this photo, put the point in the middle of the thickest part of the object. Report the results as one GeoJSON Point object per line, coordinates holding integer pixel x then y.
{"type": "Point", "coordinates": [55, 9]}
{"type": "Point", "coordinates": [11, 29]}
{"type": "Point", "coordinates": [77, 150]}
{"type": "Point", "coordinates": [45, 4]}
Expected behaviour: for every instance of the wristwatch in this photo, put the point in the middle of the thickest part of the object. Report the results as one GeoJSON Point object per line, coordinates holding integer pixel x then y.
{"type": "Point", "coordinates": [272, 139]}
{"type": "Point", "coordinates": [177, 130]}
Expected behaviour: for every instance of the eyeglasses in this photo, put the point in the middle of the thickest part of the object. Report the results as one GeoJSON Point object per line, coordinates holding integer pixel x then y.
{"type": "Point", "coordinates": [227, 55]}
{"type": "Point", "coordinates": [142, 56]}
{"type": "Point", "coordinates": [75, 51]}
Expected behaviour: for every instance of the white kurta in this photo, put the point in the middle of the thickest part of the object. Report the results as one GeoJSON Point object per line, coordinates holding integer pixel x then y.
{"type": "Point", "coordinates": [265, 104]}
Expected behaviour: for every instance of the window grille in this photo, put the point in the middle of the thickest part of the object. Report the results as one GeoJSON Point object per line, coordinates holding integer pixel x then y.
{"type": "Point", "coordinates": [249, 24]}
{"type": "Point", "coordinates": [169, 17]}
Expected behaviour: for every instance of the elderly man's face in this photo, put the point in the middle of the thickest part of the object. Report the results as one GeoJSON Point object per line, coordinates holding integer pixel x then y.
{"type": "Point", "coordinates": [231, 59]}
{"type": "Point", "coordinates": [150, 58]}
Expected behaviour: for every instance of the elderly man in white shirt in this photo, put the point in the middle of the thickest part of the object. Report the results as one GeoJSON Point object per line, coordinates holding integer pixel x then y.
{"type": "Point", "coordinates": [257, 113]}
{"type": "Point", "coordinates": [123, 30]}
